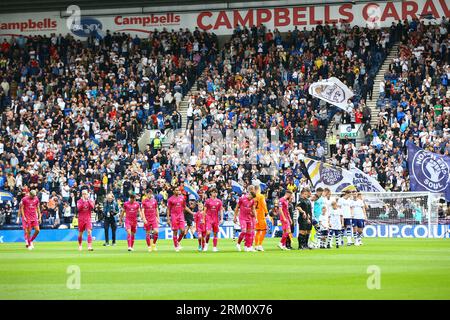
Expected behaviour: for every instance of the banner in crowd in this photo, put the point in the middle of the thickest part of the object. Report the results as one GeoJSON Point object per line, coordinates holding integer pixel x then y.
{"type": "Point", "coordinates": [428, 171]}
{"type": "Point", "coordinates": [338, 179]}
{"type": "Point", "coordinates": [333, 91]}
{"type": "Point", "coordinates": [6, 196]}
{"type": "Point", "coordinates": [221, 22]}
{"type": "Point", "coordinates": [349, 131]}
{"type": "Point", "coordinates": [226, 232]}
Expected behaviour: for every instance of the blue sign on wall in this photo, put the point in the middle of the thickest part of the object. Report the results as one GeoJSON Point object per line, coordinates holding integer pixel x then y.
{"type": "Point", "coordinates": [86, 27]}
{"type": "Point", "coordinates": [370, 231]}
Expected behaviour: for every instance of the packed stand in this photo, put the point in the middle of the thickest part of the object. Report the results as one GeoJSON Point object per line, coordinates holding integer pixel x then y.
{"type": "Point", "coordinates": [260, 81]}
{"type": "Point", "coordinates": [71, 112]}
{"type": "Point", "coordinates": [414, 107]}
{"type": "Point", "coordinates": [89, 123]}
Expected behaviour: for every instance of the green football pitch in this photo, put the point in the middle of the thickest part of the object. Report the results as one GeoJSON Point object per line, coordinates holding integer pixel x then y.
{"type": "Point", "coordinates": [381, 269]}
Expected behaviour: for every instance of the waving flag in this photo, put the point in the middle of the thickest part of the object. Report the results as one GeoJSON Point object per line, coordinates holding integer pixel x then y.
{"type": "Point", "coordinates": [338, 179]}
{"type": "Point", "coordinates": [236, 187]}
{"type": "Point", "coordinates": [364, 182]}
{"type": "Point", "coordinates": [428, 171]}
{"type": "Point", "coordinates": [25, 131]}
{"type": "Point", "coordinates": [189, 189]}
{"type": "Point", "coordinates": [6, 196]}
{"type": "Point", "coordinates": [261, 185]}
{"type": "Point", "coordinates": [92, 144]}
{"type": "Point", "coordinates": [333, 91]}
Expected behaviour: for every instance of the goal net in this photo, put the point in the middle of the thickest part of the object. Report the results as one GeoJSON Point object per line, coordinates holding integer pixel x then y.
{"type": "Point", "coordinates": [401, 214]}
{"type": "Point", "coordinates": [403, 208]}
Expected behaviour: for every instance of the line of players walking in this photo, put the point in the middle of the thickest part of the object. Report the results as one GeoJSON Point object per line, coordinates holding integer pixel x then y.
{"type": "Point", "coordinates": [327, 216]}
{"type": "Point", "coordinates": [330, 217]}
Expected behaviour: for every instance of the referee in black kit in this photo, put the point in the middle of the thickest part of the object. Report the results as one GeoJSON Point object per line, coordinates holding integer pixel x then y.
{"type": "Point", "coordinates": [304, 219]}
{"type": "Point", "coordinates": [189, 218]}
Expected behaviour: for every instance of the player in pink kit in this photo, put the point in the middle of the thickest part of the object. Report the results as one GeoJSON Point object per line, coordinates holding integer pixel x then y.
{"type": "Point", "coordinates": [175, 216]}
{"type": "Point", "coordinates": [85, 207]}
{"type": "Point", "coordinates": [151, 215]}
{"type": "Point", "coordinates": [247, 217]}
{"type": "Point", "coordinates": [213, 209]}
{"type": "Point", "coordinates": [131, 209]}
{"type": "Point", "coordinates": [31, 217]}
{"type": "Point", "coordinates": [285, 218]}
{"type": "Point", "coordinates": [200, 225]}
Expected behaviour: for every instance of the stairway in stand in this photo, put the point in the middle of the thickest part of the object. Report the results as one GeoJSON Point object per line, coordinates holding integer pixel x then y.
{"type": "Point", "coordinates": [183, 109]}
{"type": "Point", "coordinates": [372, 104]}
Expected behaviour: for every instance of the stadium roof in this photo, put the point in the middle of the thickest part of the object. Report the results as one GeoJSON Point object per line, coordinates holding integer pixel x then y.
{"type": "Point", "coordinates": [11, 6]}
{"type": "Point", "coordinates": [18, 6]}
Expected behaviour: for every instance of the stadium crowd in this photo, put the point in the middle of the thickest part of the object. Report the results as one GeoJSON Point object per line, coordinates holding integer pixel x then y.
{"type": "Point", "coordinates": [72, 111]}
{"type": "Point", "coordinates": [414, 108]}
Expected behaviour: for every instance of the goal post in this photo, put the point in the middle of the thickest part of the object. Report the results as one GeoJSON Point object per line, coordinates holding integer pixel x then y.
{"type": "Point", "coordinates": [399, 214]}
{"type": "Point", "coordinates": [403, 208]}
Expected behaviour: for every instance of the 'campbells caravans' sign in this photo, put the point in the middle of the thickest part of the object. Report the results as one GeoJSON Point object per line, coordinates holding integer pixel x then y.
{"type": "Point", "coordinates": [222, 22]}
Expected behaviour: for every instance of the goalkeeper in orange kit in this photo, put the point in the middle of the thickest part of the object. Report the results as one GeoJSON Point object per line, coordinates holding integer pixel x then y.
{"type": "Point", "coordinates": [261, 225]}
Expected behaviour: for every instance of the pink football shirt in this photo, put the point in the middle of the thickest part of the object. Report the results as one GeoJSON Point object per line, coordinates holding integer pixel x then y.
{"type": "Point", "coordinates": [213, 207]}
{"type": "Point", "coordinates": [30, 207]}
{"type": "Point", "coordinates": [245, 207]}
{"type": "Point", "coordinates": [131, 210]}
{"type": "Point", "coordinates": [285, 207]}
{"type": "Point", "coordinates": [176, 205]}
{"type": "Point", "coordinates": [85, 208]}
{"type": "Point", "coordinates": [150, 206]}
{"type": "Point", "coordinates": [198, 218]}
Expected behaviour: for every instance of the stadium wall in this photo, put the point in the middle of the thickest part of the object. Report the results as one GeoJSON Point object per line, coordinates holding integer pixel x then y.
{"type": "Point", "coordinates": [221, 22]}
{"type": "Point", "coordinates": [371, 231]}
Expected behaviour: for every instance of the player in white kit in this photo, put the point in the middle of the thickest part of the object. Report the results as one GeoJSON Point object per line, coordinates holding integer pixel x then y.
{"type": "Point", "coordinates": [346, 205]}
{"type": "Point", "coordinates": [359, 217]}
{"type": "Point", "coordinates": [336, 220]}
{"type": "Point", "coordinates": [324, 225]}
{"type": "Point", "coordinates": [327, 199]}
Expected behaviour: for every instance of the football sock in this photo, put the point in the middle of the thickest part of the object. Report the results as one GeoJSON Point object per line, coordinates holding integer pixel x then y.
{"type": "Point", "coordinates": [288, 241]}
{"type": "Point", "coordinates": [241, 237]}
{"type": "Point", "coordinates": [257, 238]}
{"type": "Point", "coordinates": [283, 238]}
{"type": "Point", "coordinates": [248, 239]}
{"type": "Point", "coordinates": [261, 237]}
{"type": "Point", "coordinates": [175, 240]}
{"type": "Point", "coordinates": [34, 236]}
{"type": "Point", "coordinates": [329, 238]}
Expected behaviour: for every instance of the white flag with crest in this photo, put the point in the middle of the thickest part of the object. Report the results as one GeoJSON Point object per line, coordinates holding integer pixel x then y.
{"type": "Point", "coordinates": [333, 91]}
